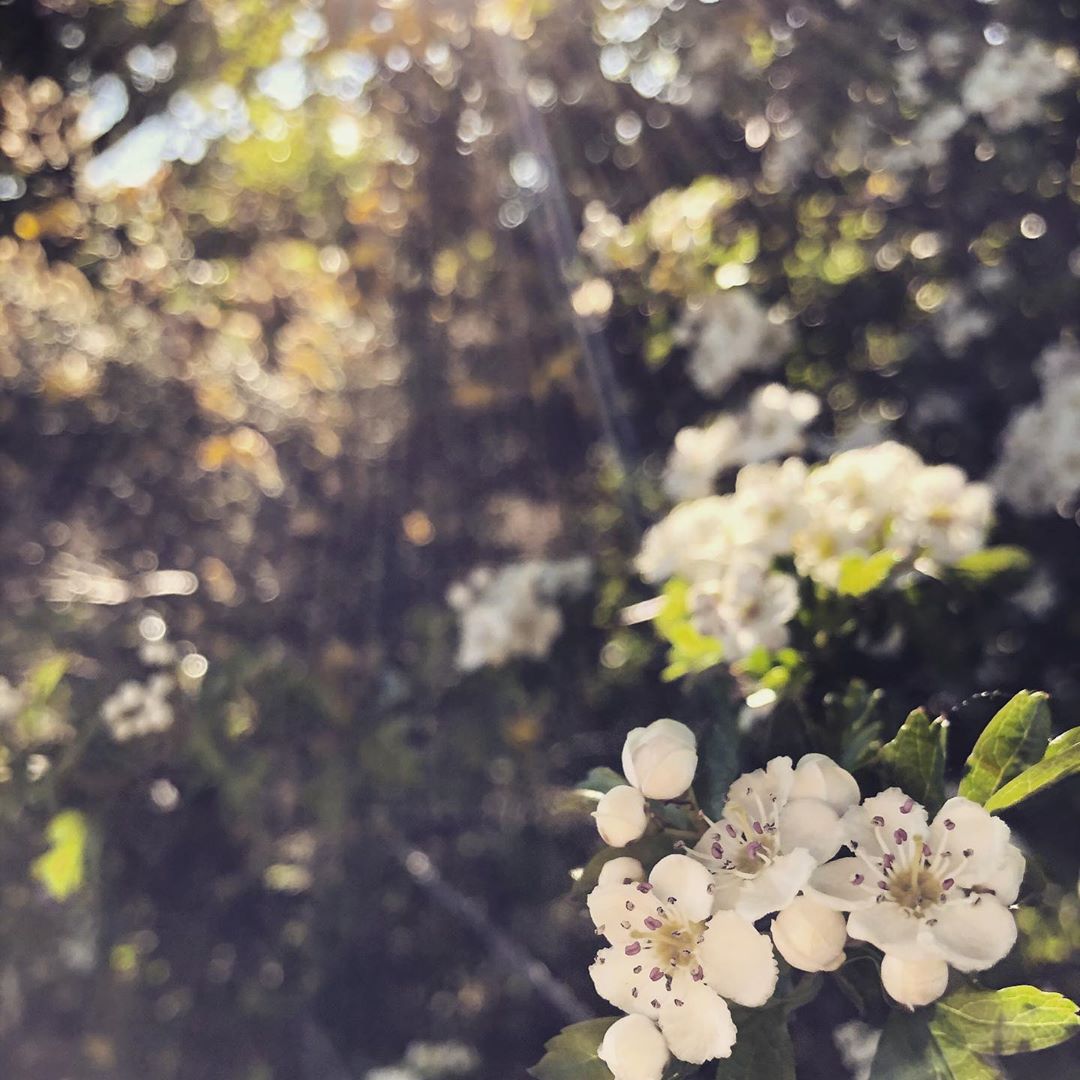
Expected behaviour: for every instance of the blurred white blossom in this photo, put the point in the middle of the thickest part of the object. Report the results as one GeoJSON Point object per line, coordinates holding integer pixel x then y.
{"type": "Point", "coordinates": [512, 611]}
{"type": "Point", "coordinates": [729, 333]}
{"type": "Point", "coordinates": [139, 708]}
{"type": "Point", "coordinates": [1039, 467]}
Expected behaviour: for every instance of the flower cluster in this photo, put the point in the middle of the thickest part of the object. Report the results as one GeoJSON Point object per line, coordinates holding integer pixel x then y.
{"type": "Point", "coordinates": [862, 502]}
{"type": "Point", "coordinates": [1039, 467]}
{"type": "Point", "coordinates": [682, 939]}
{"type": "Point", "coordinates": [138, 708]}
{"type": "Point", "coordinates": [729, 333]}
{"type": "Point", "coordinates": [773, 424]}
{"type": "Point", "coordinates": [1005, 86]}
{"type": "Point", "coordinates": [511, 612]}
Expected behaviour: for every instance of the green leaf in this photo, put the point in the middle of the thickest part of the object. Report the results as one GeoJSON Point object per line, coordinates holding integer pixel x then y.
{"type": "Point", "coordinates": [1062, 759]}
{"type": "Point", "coordinates": [691, 651]}
{"type": "Point", "coordinates": [62, 868]}
{"type": "Point", "coordinates": [1014, 738]}
{"type": "Point", "coordinates": [719, 763]}
{"type": "Point", "coordinates": [916, 758]}
{"type": "Point", "coordinates": [45, 678]}
{"type": "Point", "coordinates": [600, 781]}
{"type": "Point", "coordinates": [990, 562]}
{"type": "Point", "coordinates": [762, 1048]}
{"type": "Point", "coordinates": [1067, 740]}
{"type": "Point", "coordinates": [913, 1047]}
{"type": "Point", "coordinates": [862, 574]}
{"type": "Point", "coordinates": [1009, 1021]}
{"type": "Point", "coordinates": [571, 1055]}
{"type": "Point", "coordinates": [963, 1063]}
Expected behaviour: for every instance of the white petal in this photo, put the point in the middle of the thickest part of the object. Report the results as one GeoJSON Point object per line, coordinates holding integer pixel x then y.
{"type": "Point", "coordinates": [810, 936]}
{"type": "Point", "coordinates": [813, 825]}
{"type": "Point", "coordinates": [888, 926]}
{"type": "Point", "coordinates": [776, 886]}
{"type": "Point", "coordinates": [660, 760]}
{"type": "Point", "coordinates": [615, 976]}
{"type": "Point", "coordinates": [761, 789]}
{"type": "Point", "coordinates": [874, 824]}
{"type": "Point", "coordinates": [621, 816]}
{"type": "Point", "coordinates": [914, 979]}
{"type": "Point", "coordinates": [962, 825]}
{"type": "Point", "coordinates": [607, 906]}
{"type": "Point", "coordinates": [634, 1049]}
{"type": "Point", "coordinates": [621, 871]}
{"type": "Point", "coordinates": [727, 888]}
{"type": "Point", "coordinates": [819, 777]}
{"type": "Point", "coordinates": [738, 960]}
{"type": "Point", "coordinates": [843, 884]}
{"type": "Point", "coordinates": [699, 1029]}
{"type": "Point", "coordinates": [687, 883]}
{"type": "Point", "coordinates": [973, 936]}
{"type": "Point", "coordinates": [1007, 879]}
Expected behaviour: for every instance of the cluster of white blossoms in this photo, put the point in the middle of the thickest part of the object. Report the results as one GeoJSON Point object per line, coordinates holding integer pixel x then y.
{"type": "Point", "coordinates": [683, 941]}
{"type": "Point", "coordinates": [1008, 82]}
{"type": "Point", "coordinates": [137, 708]}
{"type": "Point", "coordinates": [512, 611]}
{"type": "Point", "coordinates": [773, 424]}
{"type": "Point", "coordinates": [874, 499]}
{"type": "Point", "coordinates": [730, 332]}
{"type": "Point", "coordinates": [1005, 86]}
{"type": "Point", "coordinates": [1039, 467]}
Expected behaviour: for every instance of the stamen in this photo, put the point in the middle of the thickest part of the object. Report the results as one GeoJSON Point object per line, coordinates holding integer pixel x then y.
{"type": "Point", "coordinates": [656, 974]}
{"type": "Point", "coordinates": [858, 879]}
{"type": "Point", "coordinates": [900, 836]}
{"type": "Point", "coordinates": [950, 825]}
{"type": "Point", "coordinates": [633, 948]}
{"type": "Point", "coordinates": [877, 820]}
{"type": "Point", "coordinates": [717, 850]}
{"type": "Point", "coordinates": [652, 923]}
{"type": "Point", "coordinates": [948, 883]}
{"type": "Point", "coordinates": [906, 807]}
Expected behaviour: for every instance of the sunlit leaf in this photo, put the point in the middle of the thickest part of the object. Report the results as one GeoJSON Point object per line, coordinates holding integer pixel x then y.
{"type": "Point", "coordinates": [62, 868]}
{"type": "Point", "coordinates": [990, 562]}
{"type": "Point", "coordinates": [862, 574]}
{"type": "Point", "coordinates": [1009, 1021]}
{"type": "Point", "coordinates": [571, 1055]}
{"type": "Point", "coordinates": [1061, 760]}
{"type": "Point", "coordinates": [1014, 738]}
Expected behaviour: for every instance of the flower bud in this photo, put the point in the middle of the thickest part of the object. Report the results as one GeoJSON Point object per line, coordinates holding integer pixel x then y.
{"type": "Point", "coordinates": [819, 777]}
{"type": "Point", "coordinates": [914, 979]}
{"type": "Point", "coordinates": [620, 816]}
{"type": "Point", "coordinates": [660, 760]}
{"type": "Point", "coordinates": [810, 936]}
{"type": "Point", "coordinates": [621, 870]}
{"type": "Point", "coordinates": [634, 1049]}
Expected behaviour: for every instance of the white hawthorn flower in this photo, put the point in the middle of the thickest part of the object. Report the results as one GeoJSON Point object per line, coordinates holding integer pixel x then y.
{"type": "Point", "coordinates": [621, 816]}
{"type": "Point", "coordinates": [733, 334]}
{"type": "Point", "coordinates": [634, 1049]}
{"type": "Point", "coordinates": [809, 935]}
{"type": "Point", "coordinates": [671, 959]}
{"type": "Point", "coordinates": [135, 709]}
{"type": "Point", "coordinates": [929, 895]}
{"type": "Point", "coordinates": [769, 840]}
{"type": "Point", "coordinates": [746, 608]}
{"type": "Point", "coordinates": [776, 419]}
{"type": "Point", "coordinates": [698, 457]}
{"type": "Point", "coordinates": [769, 505]}
{"type": "Point", "coordinates": [689, 542]}
{"type": "Point", "coordinates": [660, 760]}
{"type": "Point", "coordinates": [944, 515]}
{"type": "Point", "coordinates": [621, 871]}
